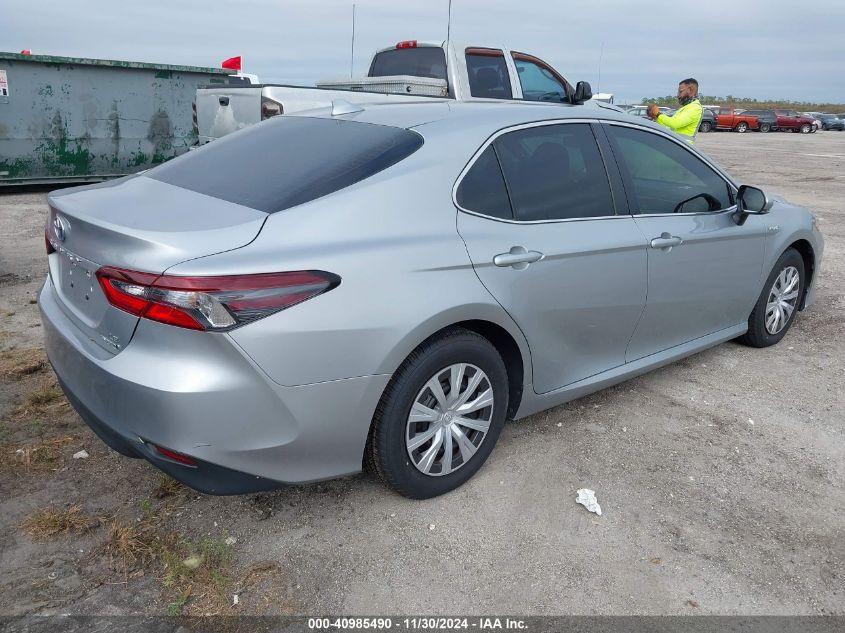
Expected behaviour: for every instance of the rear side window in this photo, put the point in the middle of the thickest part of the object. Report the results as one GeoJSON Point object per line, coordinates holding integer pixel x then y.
{"type": "Point", "coordinates": [425, 61]}
{"type": "Point", "coordinates": [286, 161]}
{"type": "Point", "coordinates": [555, 172]}
{"type": "Point", "coordinates": [483, 187]}
{"type": "Point", "coordinates": [488, 74]}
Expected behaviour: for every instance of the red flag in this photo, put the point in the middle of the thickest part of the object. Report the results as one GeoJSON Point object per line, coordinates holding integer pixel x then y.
{"type": "Point", "coordinates": [233, 63]}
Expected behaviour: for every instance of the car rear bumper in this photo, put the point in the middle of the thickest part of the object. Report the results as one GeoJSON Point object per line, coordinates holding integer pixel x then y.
{"type": "Point", "coordinates": [198, 394]}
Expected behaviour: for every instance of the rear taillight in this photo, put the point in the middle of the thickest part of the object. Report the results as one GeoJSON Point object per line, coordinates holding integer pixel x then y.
{"type": "Point", "coordinates": [179, 458]}
{"type": "Point", "coordinates": [270, 108]}
{"type": "Point", "coordinates": [210, 303]}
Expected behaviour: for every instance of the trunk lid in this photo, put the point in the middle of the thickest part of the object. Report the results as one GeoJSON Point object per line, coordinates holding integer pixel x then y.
{"type": "Point", "coordinates": [136, 223]}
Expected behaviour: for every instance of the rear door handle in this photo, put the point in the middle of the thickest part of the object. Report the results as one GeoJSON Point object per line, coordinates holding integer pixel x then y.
{"type": "Point", "coordinates": [666, 241]}
{"type": "Point", "coordinates": [518, 258]}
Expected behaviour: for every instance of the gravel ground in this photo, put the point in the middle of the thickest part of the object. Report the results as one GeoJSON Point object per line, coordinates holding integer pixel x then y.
{"type": "Point", "coordinates": [720, 477]}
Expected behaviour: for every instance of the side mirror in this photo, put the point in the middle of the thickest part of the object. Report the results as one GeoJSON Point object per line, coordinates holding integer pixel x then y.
{"type": "Point", "coordinates": [583, 92]}
{"type": "Point", "coordinates": [750, 201]}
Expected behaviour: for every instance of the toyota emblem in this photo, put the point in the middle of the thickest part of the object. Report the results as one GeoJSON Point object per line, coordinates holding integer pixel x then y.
{"type": "Point", "coordinates": [59, 228]}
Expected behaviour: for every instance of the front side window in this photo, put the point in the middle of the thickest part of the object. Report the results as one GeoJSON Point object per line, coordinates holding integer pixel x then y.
{"type": "Point", "coordinates": [488, 74]}
{"type": "Point", "coordinates": [666, 178]}
{"type": "Point", "coordinates": [483, 188]}
{"type": "Point", "coordinates": [554, 172]}
{"type": "Point", "coordinates": [538, 81]}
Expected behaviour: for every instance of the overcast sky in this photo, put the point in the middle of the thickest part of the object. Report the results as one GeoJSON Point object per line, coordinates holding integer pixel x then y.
{"type": "Point", "coordinates": [756, 48]}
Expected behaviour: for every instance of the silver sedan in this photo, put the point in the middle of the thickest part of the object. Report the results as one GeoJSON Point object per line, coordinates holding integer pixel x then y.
{"type": "Point", "coordinates": [383, 288]}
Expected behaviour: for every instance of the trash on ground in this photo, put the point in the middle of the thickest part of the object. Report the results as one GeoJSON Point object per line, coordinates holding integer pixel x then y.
{"type": "Point", "coordinates": [192, 562]}
{"type": "Point", "coordinates": [587, 498]}
{"type": "Point", "coordinates": [81, 455]}
{"type": "Point", "coordinates": [231, 541]}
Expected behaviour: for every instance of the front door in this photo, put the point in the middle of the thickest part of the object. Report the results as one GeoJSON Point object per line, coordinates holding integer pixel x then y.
{"type": "Point", "coordinates": [538, 219]}
{"type": "Point", "coordinates": [703, 269]}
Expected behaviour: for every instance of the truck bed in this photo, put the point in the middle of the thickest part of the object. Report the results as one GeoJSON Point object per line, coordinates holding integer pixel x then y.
{"type": "Point", "coordinates": [225, 109]}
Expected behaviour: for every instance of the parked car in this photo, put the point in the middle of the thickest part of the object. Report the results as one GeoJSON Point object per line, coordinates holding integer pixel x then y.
{"type": "Point", "coordinates": [322, 292]}
{"type": "Point", "coordinates": [831, 122]}
{"type": "Point", "coordinates": [403, 73]}
{"type": "Point", "coordinates": [792, 121]}
{"type": "Point", "coordinates": [731, 119]}
{"type": "Point", "coordinates": [708, 121]}
{"type": "Point", "coordinates": [817, 124]}
{"type": "Point", "coordinates": [766, 119]}
{"type": "Point", "coordinates": [642, 111]}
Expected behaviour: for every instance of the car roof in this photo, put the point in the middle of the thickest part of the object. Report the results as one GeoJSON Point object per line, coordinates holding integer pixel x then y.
{"type": "Point", "coordinates": [492, 113]}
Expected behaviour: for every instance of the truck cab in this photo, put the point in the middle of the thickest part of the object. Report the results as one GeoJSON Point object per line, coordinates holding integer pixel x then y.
{"type": "Point", "coordinates": [401, 73]}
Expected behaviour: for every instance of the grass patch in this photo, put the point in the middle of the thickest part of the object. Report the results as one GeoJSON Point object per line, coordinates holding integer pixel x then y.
{"type": "Point", "coordinates": [45, 399]}
{"type": "Point", "coordinates": [51, 521]}
{"type": "Point", "coordinates": [19, 363]}
{"type": "Point", "coordinates": [166, 486]}
{"type": "Point", "coordinates": [132, 544]}
{"type": "Point", "coordinates": [42, 454]}
{"type": "Point", "coordinates": [197, 575]}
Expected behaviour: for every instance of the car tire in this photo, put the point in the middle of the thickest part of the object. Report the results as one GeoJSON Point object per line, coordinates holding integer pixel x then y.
{"type": "Point", "coordinates": [392, 452]}
{"type": "Point", "coordinates": [806, 128]}
{"type": "Point", "coordinates": [763, 329]}
{"type": "Point", "coordinates": [741, 127]}
{"type": "Point", "coordinates": [765, 127]}
{"type": "Point", "coordinates": [706, 127]}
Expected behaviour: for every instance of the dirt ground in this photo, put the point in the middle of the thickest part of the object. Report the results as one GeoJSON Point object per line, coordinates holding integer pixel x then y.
{"type": "Point", "coordinates": [721, 480]}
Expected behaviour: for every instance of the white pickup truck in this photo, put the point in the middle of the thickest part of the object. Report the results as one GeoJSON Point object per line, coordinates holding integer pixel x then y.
{"type": "Point", "coordinates": [408, 70]}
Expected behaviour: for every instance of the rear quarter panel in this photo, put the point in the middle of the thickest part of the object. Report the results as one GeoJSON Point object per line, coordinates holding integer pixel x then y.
{"type": "Point", "coordinates": [405, 275]}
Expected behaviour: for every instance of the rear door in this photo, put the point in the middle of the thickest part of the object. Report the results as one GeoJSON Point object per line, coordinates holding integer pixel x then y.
{"type": "Point", "coordinates": [488, 74]}
{"type": "Point", "coordinates": [703, 269]}
{"type": "Point", "coordinates": [539, 220]}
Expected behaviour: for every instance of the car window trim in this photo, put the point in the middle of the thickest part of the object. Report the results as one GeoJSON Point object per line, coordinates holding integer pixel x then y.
{"type": "Point", "coordinates": [522, 126]}
{"type": "Point", "coordinates": [731, 185]}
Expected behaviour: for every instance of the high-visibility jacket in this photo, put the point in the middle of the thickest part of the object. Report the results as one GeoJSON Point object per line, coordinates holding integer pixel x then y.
{"type": "Point", "coordinates": [685, 121]}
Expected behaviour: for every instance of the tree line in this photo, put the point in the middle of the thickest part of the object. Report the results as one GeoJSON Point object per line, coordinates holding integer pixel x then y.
{"type": "Point", "coordinates": [749, 103]}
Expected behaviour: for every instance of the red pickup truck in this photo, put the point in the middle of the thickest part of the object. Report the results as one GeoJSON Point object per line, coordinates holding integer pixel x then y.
{"type": "Point", "coordinates": [730, 119]}
{"type": "Point", "coordinates": [793, 121]}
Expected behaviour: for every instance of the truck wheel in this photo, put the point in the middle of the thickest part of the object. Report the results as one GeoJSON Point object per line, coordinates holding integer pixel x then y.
{"type": "Point", "coordinates": [706, 126]}
{"type": "Point", "coordinates": [806, 128]}
{"type": "Point", "coordinates": [741, 127]}
{"type": "Point", "coordinates": [765, 127]}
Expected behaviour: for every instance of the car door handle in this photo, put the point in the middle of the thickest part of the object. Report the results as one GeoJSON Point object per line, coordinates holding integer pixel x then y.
{"type": "Point", "coordinates": [518, 257]}
{"type": "Point", "coordinates": [666, 242]}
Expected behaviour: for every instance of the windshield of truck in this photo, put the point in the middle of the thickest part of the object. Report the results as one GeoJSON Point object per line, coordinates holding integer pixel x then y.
{"type": "Point", "coordinates": [423, 61]}
{"type": "Point", "coordinates": [288, 160]}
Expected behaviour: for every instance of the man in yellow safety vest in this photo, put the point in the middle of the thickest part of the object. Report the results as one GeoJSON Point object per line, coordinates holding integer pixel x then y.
{"type": "Point", "coordinates": [687, 118]}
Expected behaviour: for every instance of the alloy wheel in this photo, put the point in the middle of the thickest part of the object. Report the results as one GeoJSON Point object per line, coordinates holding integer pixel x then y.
{"type": "Point", "coordinates": [783, 298]}
{"type": "Point", "coordinates": [449, 419]}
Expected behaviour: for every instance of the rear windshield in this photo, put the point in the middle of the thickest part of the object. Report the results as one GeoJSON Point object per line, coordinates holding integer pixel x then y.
{"type": "Point", "coordinates": [425, 61]}
{"type": "Point", "coordinates": [287, 161]}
